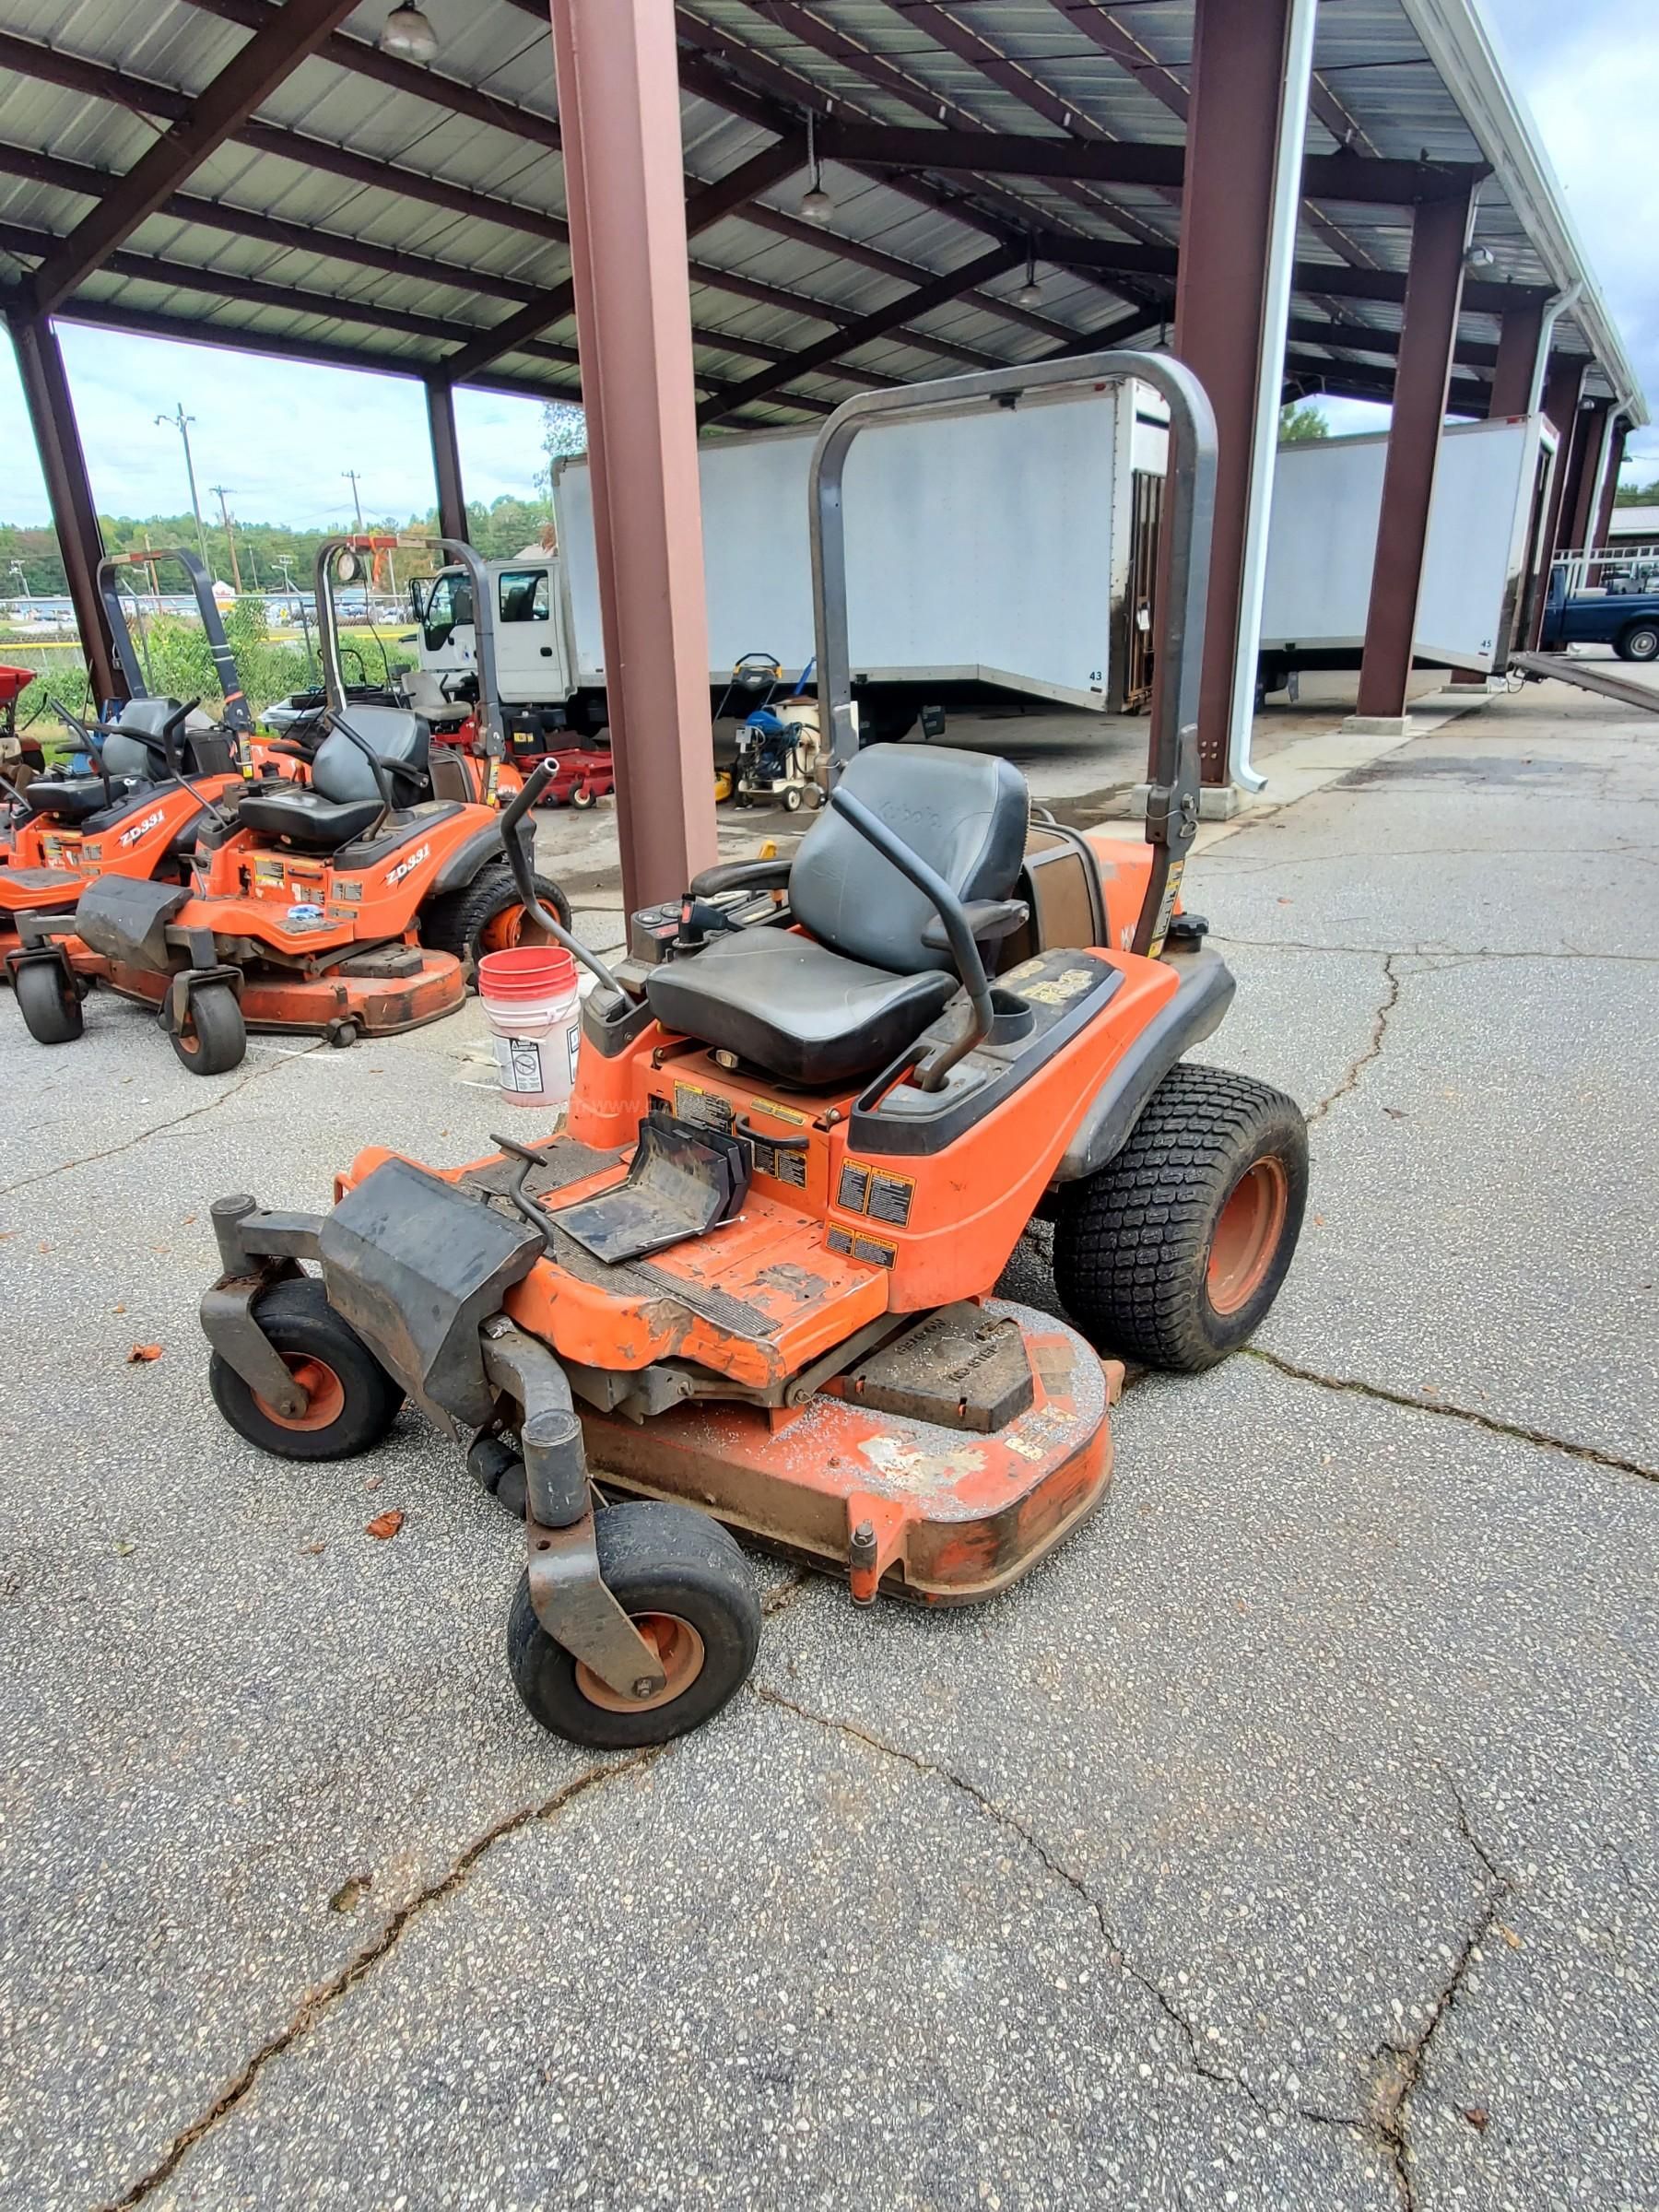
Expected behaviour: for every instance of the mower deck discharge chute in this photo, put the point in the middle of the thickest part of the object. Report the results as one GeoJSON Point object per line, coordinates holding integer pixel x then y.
{"type": "Point", "coordinates": [752, 1279]}
{"type": "Point", "coordinates": [355, 903]}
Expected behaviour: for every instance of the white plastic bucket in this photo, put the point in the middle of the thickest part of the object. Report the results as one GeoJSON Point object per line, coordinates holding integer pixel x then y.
{"type": "Point", "coordinates": [530, 1000]}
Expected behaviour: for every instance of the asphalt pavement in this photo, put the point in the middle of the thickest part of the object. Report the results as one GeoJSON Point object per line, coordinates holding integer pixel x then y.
{"type": "Point", "coordinates": [1286, 1841]}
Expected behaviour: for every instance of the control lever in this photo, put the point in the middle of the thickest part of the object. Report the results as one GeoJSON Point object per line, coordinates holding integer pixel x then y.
{"type": "Point", "coordinates": [930, 1072]}
{"type": "Point", "coordinates": [524, 878]}
{"type": "Point", "coordinates": [94, 750]}
{"type": "Point", "coordinates": [169, 752]}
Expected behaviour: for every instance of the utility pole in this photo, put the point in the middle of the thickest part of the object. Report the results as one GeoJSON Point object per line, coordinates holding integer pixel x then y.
{"type": "Point", "coordinates": [229, 538]}
{"type": "Point", "coordinates": [181, 422]}
{"type": "Point", "coordinates": [357, 499]}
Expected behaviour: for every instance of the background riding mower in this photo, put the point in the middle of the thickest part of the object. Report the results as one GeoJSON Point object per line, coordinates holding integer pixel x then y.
{"type": "Point", "coordinates": [753, 1277]}
{"type": "Point", "coordinates": [354, 904]}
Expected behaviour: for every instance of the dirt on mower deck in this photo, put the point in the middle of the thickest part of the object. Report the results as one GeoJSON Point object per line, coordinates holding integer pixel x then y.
{"type": "Point", "coordinates": [1287, 1841]}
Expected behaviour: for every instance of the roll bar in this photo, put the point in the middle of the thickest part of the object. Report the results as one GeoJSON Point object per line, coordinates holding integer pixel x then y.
{"type": "Point", "coordinates": [237, 716]}
{"type": "Point", "coordinates": [1172, 762]}
{"type": "Point", "coordinates": [328, 630]}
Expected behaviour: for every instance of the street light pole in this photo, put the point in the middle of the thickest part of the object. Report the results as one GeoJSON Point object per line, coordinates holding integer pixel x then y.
{"type": "Point", "coordinates": [181, 422]}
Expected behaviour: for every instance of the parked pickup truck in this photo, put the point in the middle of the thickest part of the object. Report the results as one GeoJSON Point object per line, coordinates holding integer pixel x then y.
{"type": "Point", "coordinates": [1625, 615]}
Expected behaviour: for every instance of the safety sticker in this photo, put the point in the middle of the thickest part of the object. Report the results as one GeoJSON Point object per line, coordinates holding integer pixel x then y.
{"type": "Point", "coordinates": [773, 1111]}
{"type": "Point", "coordinates": [785, 1167]}
{"type": "Point", "coordinates": [709, 1109]}
{"type": "Point", "coordinates": [860, 1247]}
{"type": "Point", "coordinates": [1058, 990]}
{"type": "Point", "coordinates": [867, 1190]}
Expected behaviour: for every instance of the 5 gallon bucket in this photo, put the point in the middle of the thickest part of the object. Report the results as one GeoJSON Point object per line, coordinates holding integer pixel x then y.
{"type": "Point", "coordinates": [530, 1001]}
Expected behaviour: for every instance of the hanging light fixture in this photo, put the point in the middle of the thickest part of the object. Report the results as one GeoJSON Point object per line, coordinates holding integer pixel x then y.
{"type": "Point", "coordinates": [1030, 292]}
{"type": "Point", "coordinates": [406, 33]}
{"type": "Point", "coordinates": [816, 206]}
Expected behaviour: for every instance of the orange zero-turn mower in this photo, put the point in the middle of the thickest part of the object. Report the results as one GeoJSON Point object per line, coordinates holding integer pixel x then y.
{"type": "Point", "coordinates": [355, 904]}
{"type": "Point", "coordinates": [751, 1280]}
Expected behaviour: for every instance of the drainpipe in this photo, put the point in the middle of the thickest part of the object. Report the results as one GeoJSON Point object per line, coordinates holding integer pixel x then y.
{"type": "Point", "coordinates": [1270, 381]}
{"type": "Point", "coordinates": [1560, 305]}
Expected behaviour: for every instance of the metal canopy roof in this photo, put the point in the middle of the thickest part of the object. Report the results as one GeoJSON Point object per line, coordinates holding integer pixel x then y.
{"type": "Point", "coordinates": [380, 213]}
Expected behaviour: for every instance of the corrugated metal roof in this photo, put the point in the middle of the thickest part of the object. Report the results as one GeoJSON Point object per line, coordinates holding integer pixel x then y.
{"type": "Point", "coordinates": [463, 211]}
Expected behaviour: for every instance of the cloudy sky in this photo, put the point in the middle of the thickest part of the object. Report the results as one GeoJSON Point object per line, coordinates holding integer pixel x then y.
{"type": "Point", "coordinates": [280, 437]}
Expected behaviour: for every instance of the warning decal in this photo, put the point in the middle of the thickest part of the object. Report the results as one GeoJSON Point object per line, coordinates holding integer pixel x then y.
{"type": "Point", "coordinates": [707, 1108]}
{"type": "Point", "coordinates": [872, 1190]}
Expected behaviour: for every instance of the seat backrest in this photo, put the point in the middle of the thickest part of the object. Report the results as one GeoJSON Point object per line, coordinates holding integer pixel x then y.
{"type": "Point", "coordinates": [340, 772]}
{"type": "Point", "coordinates": [965, 813]}
{"type": "Point", "coordinates": [127, 755]}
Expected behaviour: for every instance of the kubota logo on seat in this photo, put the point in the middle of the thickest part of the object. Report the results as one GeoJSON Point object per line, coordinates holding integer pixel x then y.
{"type": "Point", "coordinates": [397, 874]}
{"type": "Point", "coordinates": [143, 829]}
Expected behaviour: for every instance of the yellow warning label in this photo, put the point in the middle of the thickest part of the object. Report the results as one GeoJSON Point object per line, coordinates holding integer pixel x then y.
{"type": "Point", "coordinates": [1058, 990]}
{"type": "Point", "coordinates": [867, 1190]}
{"type": "Point", "coordinates": [779, 1113]}
{"type": "Point", "coordinates": [707, 1108]}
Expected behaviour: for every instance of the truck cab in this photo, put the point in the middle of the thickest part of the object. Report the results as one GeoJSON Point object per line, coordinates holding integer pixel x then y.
{"type": "Point", "coordinates": [533, 661]}
{"type": "Point", "coordinates": [1619, 607]}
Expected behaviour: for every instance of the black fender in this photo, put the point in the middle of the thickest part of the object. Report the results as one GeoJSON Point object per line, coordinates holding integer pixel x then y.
{"type": "Point", "coordinates": [1201, 999]}
{"type": "Point", "coordinates": [473, 853]}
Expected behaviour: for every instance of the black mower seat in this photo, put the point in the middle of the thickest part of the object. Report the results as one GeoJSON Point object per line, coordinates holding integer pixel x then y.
{"type": "Point", "coordinates": [76, 798]}
{"type": "Point", "coordinates": [342, 800]}
{"type": "Point", "coordinates": [828, 1008]}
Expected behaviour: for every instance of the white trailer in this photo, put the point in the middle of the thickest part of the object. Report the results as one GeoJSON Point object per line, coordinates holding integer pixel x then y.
{"type": "Point", "coordinates": [1489, 489]}
{"type": "Point", "coordinates": [992, 552]}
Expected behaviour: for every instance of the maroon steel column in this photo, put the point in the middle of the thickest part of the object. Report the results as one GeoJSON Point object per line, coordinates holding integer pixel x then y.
{"type": "Point", "coordinates": [1226, 218]}
{"type": "Point", "coordinates": [1520, 334]}
{"type": "Point", "coordinates": [74, 516]}
{"type": "Point", "coordinates": [619, 114]}
{"type": "Point", "coordinates": [1562, 388]}
{"type": "Point", "coordinates": [1604, 513]}
{"type": "Point", "coordinates": [1593, 440]}
{"type": "Point", "coordinates": [446, 461]}
{"type": "Point", "coordinates": [1440, 236]}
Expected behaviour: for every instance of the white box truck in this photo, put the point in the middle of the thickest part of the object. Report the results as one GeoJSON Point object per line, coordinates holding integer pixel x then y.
{"type": "Point", "coordinates": [1490, 485]}
{"type": "Point", "coordinates": [989, 553]}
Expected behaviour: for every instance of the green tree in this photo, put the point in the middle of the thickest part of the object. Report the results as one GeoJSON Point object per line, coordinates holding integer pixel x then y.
{"type": "Point", "coordinates": [1300, 423]}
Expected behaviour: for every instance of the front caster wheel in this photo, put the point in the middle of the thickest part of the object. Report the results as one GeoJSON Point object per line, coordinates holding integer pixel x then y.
{"type": "Point", "coordinates": [213, 1038]}
{"type": "Point", "coordinates": [352, 1400]}
{"type": "Point", "coordinates": [49, 1001]}
{"type": "Point", "coordinates": [1173, 1253]}
{"type": "Point", "coordinates": [680, 1578]}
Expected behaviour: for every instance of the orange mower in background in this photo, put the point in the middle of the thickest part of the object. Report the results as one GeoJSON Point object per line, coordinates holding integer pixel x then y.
{"type": "Point", "coordinates": [357, 903]}
{"type": "Point", "coordinates": [752, 1279]}
{"type": "Point", "coordinates": [157, 770]}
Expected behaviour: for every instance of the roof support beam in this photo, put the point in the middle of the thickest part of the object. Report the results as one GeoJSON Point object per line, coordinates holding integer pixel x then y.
{"type": "Point", "coordinates": [1439, 238]}
{"type": "Point", "coordinates": [704, 208]}
{"type": "Point", "coordinates": [619, 96]}
{"type": "Point", "coordinates": [1124, 162]}
{"type": "Point", "coordinates": [446, 460]}
{"type": "Point", "coordinates": [73, 514]}
{"type": "Point", "coordinates": [1240, 61]}
{"type": "Point", "coordinates": [919, 303]}
{"type": "Point", "coordinates": [273, 54]}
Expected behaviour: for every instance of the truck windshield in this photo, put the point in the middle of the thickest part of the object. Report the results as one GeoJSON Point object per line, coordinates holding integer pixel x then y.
{"type": "Point", "coordinates": [524, 595]}
{"type": "Point", "coordinates": [448, 603]}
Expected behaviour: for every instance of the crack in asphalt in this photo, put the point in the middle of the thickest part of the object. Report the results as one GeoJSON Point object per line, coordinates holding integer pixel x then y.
{"type": "Point", "coordinates": [1491, 1422]}
{"type": "Point", "coordinates": [1373, 1046]}
{"type": "Point", "coordinates": [1451, 955]}
{"type": "Point", "coordinates": [318, 2001]}
{"type": "Point", "coordinates": [1001, 1817]}
{"type": "Point", "coordinates": [1401, 2066]}
{"type": "Point", "coordinates": [192, 1113]}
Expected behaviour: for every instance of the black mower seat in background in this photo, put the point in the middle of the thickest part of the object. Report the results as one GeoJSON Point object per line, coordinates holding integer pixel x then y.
{"type": "Point", "coordinates": [824, 1012]}
{"type": "Point", "coordinates": [343, 800]}
{"type": "Point", "coordinates": [76, 798]}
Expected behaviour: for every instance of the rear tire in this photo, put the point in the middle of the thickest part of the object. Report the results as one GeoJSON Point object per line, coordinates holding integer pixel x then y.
{"type": "Point", "coordinates": [49, 1002]}
{"type": "Point", "coordinates": [1639, 642]}
{"type": "Point", "coordinates": [353, 1401]}
{"type": "Point", "coordinates": [1173, 1253]}
{"type": "Point", "coordinates": [214, 1037]}
{"type": "Point", "coordinates": [668, 1564]}
{"type": "Point", "coordinates": [480, 917]}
